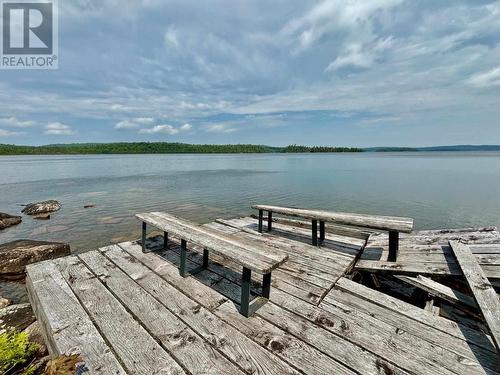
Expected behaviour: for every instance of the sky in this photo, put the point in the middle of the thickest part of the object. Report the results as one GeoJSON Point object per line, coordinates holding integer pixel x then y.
{"type": "Point", "coordinates": [332, 72]}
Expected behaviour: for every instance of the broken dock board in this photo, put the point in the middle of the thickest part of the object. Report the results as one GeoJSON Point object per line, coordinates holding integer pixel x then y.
{"type": "Point", "coordinates": [441, 291]}
{"type": "Point", "coordinates": [485, 295]}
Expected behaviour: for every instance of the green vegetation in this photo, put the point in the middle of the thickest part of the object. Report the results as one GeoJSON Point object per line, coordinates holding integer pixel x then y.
{"type": "Point", "coordinates": [296, 148]}
{"type": "Point", "coordinates": [15, 350]}
{"type": "Point", "coordinates": [158, 148]}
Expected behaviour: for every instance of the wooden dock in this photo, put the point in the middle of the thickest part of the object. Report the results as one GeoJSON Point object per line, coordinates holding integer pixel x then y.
{"type": "Point", "coordinates": [129, 312]}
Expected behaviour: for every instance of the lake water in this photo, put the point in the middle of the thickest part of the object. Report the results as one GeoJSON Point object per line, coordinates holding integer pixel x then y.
{"type": "Point", "coordinates": [439, 190]}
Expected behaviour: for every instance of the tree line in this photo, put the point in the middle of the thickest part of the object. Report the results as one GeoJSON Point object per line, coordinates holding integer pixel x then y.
{"type": "Point", "coordinates": [159, 148]}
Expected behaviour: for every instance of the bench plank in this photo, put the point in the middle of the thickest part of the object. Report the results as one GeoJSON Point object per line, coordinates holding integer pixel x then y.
{"type": "Point", "coordinates": [485, 295]}
{"type": "Point", "coordinates": [388, 223]}
{"type": "Point", "coordinates": [213, 242]}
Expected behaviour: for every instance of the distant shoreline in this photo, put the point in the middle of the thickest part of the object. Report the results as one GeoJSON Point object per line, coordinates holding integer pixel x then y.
{"type": "Point", "coordinates": [162, 148]}
{"type": "Point", "coordinates": [132, 148]}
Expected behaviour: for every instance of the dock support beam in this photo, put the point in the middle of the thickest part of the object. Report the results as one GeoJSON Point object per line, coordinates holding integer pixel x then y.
{"type": "Point", "coordinates": [269, 221]}
{"type": "Point", "coordinates": [393, 246]}
{"type": "Point", "coordinates": [165, 240]}
{"type": "Point", "coordinates": [315, 232]}
{"type": "Point", "coordinates": [261, 218]}
{"type": "Point", "coordinates": [143, 238]}
{"type": "Point", "coordinates": [321, 231]}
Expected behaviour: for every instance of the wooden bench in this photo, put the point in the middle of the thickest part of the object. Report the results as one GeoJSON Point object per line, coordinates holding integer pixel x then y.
{"type": "Point", "coordinates": [394, 225]}
{"type": "Point", "coordinates": [251, 258]}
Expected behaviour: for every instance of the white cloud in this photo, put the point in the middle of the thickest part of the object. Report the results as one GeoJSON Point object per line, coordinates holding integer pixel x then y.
{"type": "Point", "coordinates": [360, 56]}
{"type": "Point", "coordinates": [126, 124]}
{"type": "Point", "coordinates": [144, 120]}
{"type": "Point", "coordinates": [171, 37]}
{"type": "Point", "coordinates": [8, 133]}
{"type": "Point", "coordinates": [56, 128]}
{"type": "Point", "coordinates": [335, 16]}
{"type": "Point", "coordinates": [219, 128]}
{"type": "Point", "coordinates": [186, 127]}
{"type": "Point", "coordinates": [165, 129]}
{"type": "Point", "coordinates": [134, 123]}
{"type": "Point", "coordinates": [486, 79]}
{"type": "Point", "coordinates": [15, 123]}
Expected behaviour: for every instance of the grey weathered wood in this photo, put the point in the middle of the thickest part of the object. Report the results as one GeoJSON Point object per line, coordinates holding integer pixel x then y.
{"type": "Point", "coordinates": [204, 295]}
{"type": "Point", "coordinates": [176, 337]}
{"type": "Point", "coordinates": [415, 313]}
{"type": "Point", "coordinates": [485, 295]}
{"type": "Point", "coordinates": [296, 352]}
{"type": "Point", "coordinates": [66, 327]}
{"type": "Point", "coordinates": [400, 224]}
{"type": "Point", "coordinates": [367, 310]}
{"type": "Point", "coordinates": [251, 357]}
{"type": "Point", "coordinates": [407, 351]}
{"type": "Point", "coordinates": [217, 243]}
{"type": "Point", "coordinates": [332, 228]}
{"type": "Point", "coordinates": [341, 244]}
{"type": "Point", "coordinates": [136, 349]}
{"type": "Point", "coordinates": [313, 332]}
{"type": "Point", "coordinates": [290, 282]}
{"type": "Point", "coordinates": [439, 290]}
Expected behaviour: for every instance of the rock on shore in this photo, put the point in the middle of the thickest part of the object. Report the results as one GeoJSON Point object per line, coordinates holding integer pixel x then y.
{"type": "Point", "coordinates": [16, 316]}
{"type": "Point", "coordinates": [14, 256]}
{"type": "Point", "coordinates": [7, 220]}
{"type": "Point", "coordinates": [41, 207]}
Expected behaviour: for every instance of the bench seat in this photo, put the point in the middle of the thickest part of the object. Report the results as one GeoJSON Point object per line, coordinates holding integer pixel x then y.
{"type": "Point", "coordinates": [251, 258]}
{"type": "Point", "coordinates": [394, 225]}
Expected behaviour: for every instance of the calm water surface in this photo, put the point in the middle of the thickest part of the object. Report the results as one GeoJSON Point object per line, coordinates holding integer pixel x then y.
{"type": "Point", "coordinates": [439, 190]}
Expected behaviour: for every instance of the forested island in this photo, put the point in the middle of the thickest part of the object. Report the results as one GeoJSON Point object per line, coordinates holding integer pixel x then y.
{"type": "Point", "coordinates": [161, 148]}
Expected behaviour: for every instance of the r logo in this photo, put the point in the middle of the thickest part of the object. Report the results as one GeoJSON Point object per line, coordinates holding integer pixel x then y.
{"type": "Point", "coordinates": [27, 28]}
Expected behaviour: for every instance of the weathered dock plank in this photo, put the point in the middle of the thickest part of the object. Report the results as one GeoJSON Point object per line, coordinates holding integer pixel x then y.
{"type": "Point", "coordinates": [291, 349]}
{"type": "Point", "coordinates": [66, 327]}
{"type": "Point", "coordinates": [485, 295]}
{"type": "Point", "coordinates": [439, 290]}
{"type": "Point", "coordinates": [176, 337]}
{"type": "Point", "coordinates": [205, 296]}
{"type": "Point", "coordinates": [367, 310]}
{"type": "Point", "coordinates": [415, 313]}
{"type": "Point", "coordinates": [399, 347]}
{"type": "Point", "coordinates": [140, 355]}
{"type": "Point", "coordinates": [250, 356]}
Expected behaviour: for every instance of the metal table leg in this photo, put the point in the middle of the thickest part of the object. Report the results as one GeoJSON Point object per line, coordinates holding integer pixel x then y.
{"type": "Point", "coordinates": [143, 238]}
{"type": "Point", "coordinates": [261, 218]}
{"type": "Point", "coordinates": [315, 232]}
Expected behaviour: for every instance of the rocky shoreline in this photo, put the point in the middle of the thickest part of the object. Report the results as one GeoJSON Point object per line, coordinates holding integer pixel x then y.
{"type": "Point", "coordinates": [17, 319]}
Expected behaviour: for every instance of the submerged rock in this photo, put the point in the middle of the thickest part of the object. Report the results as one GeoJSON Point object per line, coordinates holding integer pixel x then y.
{"type": "Point", "coordinates": [16, 316]}
{"type": "Point", "coordinates": [41, 207]}
{"type": "Point", "coordinates": [42, 217]}
{"type": "Point", "coordinates": [14, 256]}
{"type": "Point", "coordinates": [7, 220]}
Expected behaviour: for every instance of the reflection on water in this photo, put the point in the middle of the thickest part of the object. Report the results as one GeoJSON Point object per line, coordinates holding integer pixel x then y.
{"type": "Point", "coordinates": [437, 189]}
